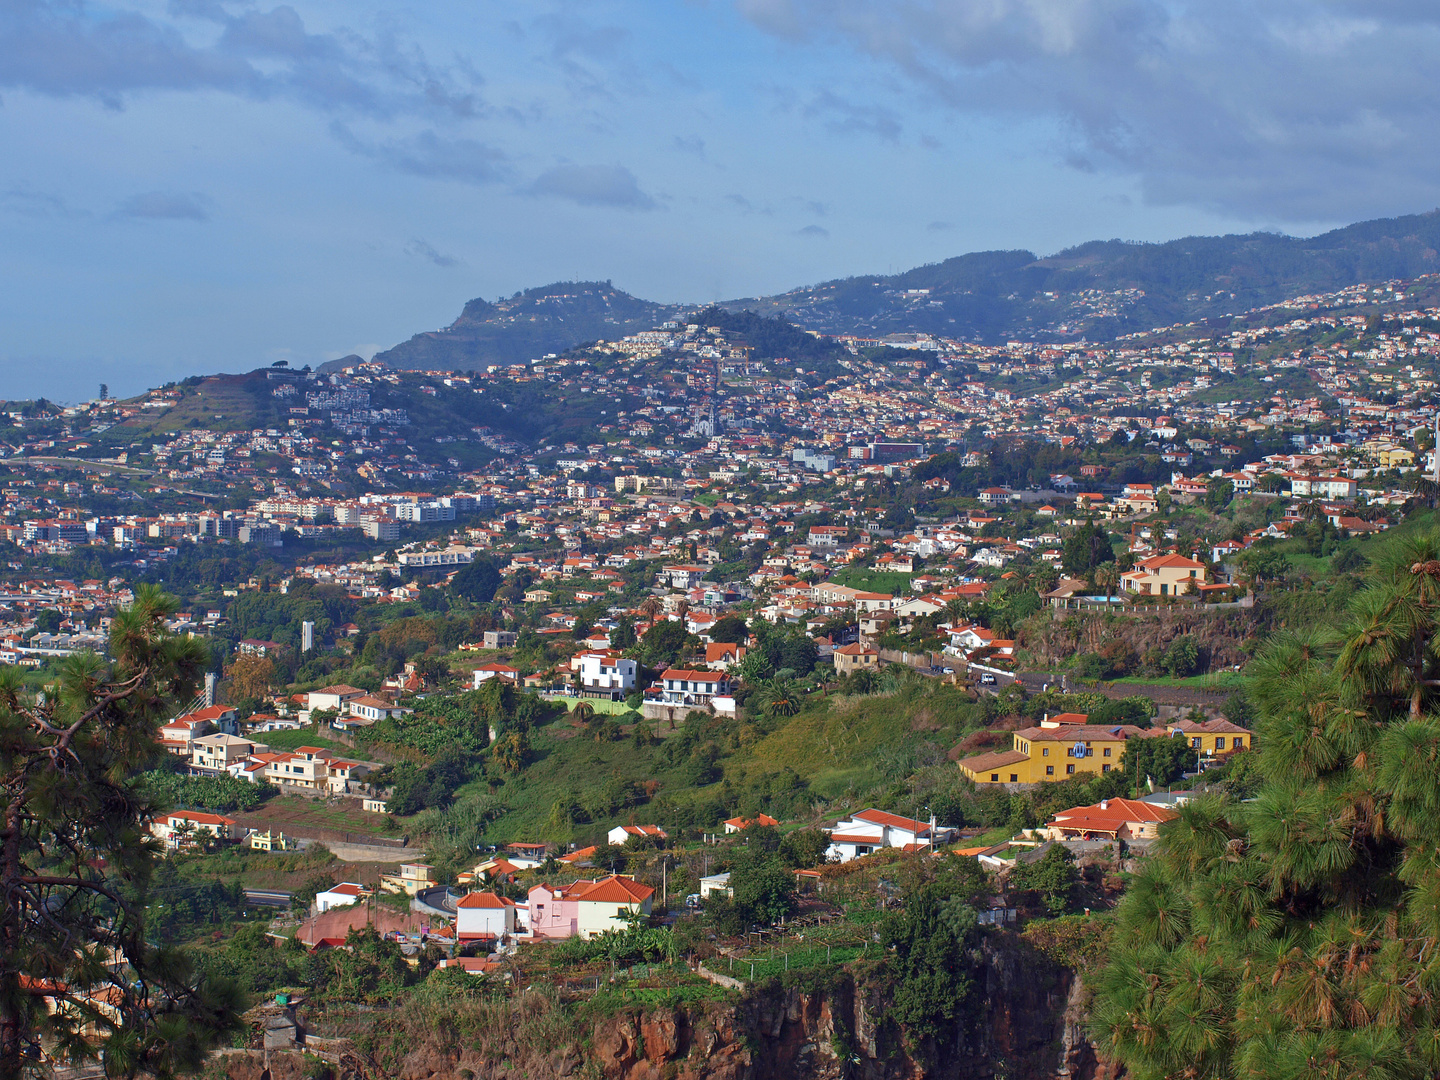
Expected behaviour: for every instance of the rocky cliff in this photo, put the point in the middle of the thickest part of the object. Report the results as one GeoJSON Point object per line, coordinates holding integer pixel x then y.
{"type": "Point", "coordinates": [1026, 1022]}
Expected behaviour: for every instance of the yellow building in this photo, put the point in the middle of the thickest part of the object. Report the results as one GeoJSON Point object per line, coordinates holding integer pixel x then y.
{"type": "Point", "coordinates": [1053, 752]}
{"type": "Point", "coordinates": [1059, 749]}
{"type": "Point", "coordinates": [1163, 575]}
{"type": "Point", "coordinates": [413, 879]}
{"type": "Point", "coordinates": [1213, 737]}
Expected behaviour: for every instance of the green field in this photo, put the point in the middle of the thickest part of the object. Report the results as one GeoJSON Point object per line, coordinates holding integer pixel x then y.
{"type": "Point", "coordinates": [1220, 680]}
{"type": "Point", "coordinates": [613, 708]}
{"type": "Point", "coordinates": [293, 740]}
{"type": "Point", "coordinates": [881, 581]}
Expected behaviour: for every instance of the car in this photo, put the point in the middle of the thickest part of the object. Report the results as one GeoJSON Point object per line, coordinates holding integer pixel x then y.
{"type": "Point", "coordinates": [693, 900]}
{"type": "Point", "coordinates": [988, 680]}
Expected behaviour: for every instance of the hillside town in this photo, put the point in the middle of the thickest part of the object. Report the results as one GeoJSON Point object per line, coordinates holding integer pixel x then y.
{"type": "Point", "coordinates": [757, 634]}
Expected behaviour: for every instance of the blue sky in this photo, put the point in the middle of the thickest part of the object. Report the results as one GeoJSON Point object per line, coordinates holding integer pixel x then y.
{"type": "Point", "coordinates": [197, 185]}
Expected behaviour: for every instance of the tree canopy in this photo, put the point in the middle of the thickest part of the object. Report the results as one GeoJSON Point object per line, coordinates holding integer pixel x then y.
{"type": "Point", "coordinates": [75, 860]}
{"type": "Point", "coordinates": [1298, 933]}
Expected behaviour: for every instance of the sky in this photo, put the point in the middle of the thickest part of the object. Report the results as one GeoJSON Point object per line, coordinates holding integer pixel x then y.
{"type": "Point", "coordinates": [189, 186]}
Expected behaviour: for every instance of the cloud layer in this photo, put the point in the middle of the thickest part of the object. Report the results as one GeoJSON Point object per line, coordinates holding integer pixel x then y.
{"type": "Point", "coordinates": [1292, 109]}
{"type": "Point", "coordinates": [164, 206]}
{"type": "Point", "coordinates": [594, 185]}
{"type": "Point", "coordinates": [66, 49]}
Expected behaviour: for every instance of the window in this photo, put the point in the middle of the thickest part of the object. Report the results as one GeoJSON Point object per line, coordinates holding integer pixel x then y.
{"type": "Point", "coordinates": [1164, 589]}
{"type": "Point", "coordinates": [1049, 770]}
{"type": "Point", "coordinates": [1107, 754]}
{"type": "Point", "coordinates": [1044, 751]}
{"type": "Point", "coordinates": [1014, 778]}
{"type": "Point", "coordinates": [994, 777]}
{"type": "Point", "coordinates": [1219, 742]}
{"type": "Point", "coordinates": [1238, 743]}
{"type": "Point", "coordinates": [1195, 744]}
{"type": "Point", "coordinates": [1069, 768]}
{"type": "Point", "coordinates": [1104, 768]}
{"type": "Point", "coordinates": [1192, 573]}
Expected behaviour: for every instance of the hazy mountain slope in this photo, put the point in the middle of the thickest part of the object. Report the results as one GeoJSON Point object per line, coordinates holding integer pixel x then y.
{"type": "Point", "coordinates": [1097, 286]}
{"type": "Point", "coordinates": [527, 325]}
{"type": "Point", "coordinates": [1097, 290]}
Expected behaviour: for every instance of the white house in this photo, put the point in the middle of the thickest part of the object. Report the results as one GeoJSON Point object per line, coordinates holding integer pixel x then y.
{"type": "Point", "coordinates": [607, 674]}
{"type": "Point", "coordinates": [261, 724]}
{"type": "Point", "coordinates": [374, 708]}
{"type": "Point", "coordinates": [871, 830]}
{"type": "Point", "coordinates": [342, 895]}
{"type": "Point", "coordinates": [482, 916]}
{"type": "Point", "coordinates": [586, 908]}
{"type": "Point", "coordinates": [682, 687]}
{"type": "Point", "coordinates": [332, 697]}
{"type": "Point", "coordinates": [621, 833]}
{"type": "Point", "coordinates": [216, 753]}
{"type": "Point", "coordinates": [486, 672]}
{"type": "Point", "coordinates": [189, 826]}
{"type": "Point", "coordinates": [178, 736]}
{"type": "Point", "coordinates": [454, 555]}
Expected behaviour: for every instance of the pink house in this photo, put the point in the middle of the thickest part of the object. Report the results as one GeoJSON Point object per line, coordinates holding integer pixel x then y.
{"type": "Point", "coordinates": [586, 908]}
{"type": "Point", "coordinates": [552, 914]}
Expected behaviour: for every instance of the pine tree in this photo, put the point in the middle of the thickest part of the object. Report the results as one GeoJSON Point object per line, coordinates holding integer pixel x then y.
{"type": "Point", "coordinates": [1298, 934]}
{"type": "Point", "coordinates": [75, 859]}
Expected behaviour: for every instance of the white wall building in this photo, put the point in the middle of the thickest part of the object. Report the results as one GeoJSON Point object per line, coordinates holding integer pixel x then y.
{"type": "Point", "coordinates": [871, 830]}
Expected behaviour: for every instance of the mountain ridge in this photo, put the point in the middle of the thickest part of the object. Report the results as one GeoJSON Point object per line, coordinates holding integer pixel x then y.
{"type": "Point", "coordinates": [1098, 290]}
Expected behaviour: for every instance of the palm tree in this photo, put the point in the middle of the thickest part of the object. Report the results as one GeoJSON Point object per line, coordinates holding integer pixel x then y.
{"type": "Point", "coordinates": [650, 608]}
{"type": "Point", "coordinates": [781, 698]}
{"type": "Point", "coordinates": [955, 609]}
{"type": "Point", "coordinates": [1108, 575]}
{"type": "Point", "coordinates": [583, 712]}
{"type": "Point", "coordinates": [1390, 646]}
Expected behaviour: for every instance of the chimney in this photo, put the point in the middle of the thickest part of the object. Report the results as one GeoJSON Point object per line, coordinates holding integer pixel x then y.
{"type": "Point", "coordinates": [1104, 804]}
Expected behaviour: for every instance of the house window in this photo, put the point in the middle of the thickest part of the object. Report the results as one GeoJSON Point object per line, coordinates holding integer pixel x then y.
{"type": "Point", "coordinates": [1192, 573]}
{"type": "Point", "coordinates": [1220, 742]}
{"type": "Point", "coordinates": [994, 777]}
{"type": "Point", "coordinates": [1049, 770]}
{"type": "Point", "coordinates": [1195, 744]}
{"type": "Point", "coordinates": [1104, 768]}
{"type": "Point", "coordinates": [1238, 743]}
{"type": "Point", "coordinates": [1044, 751]}
{"type": "Point", "coordinates": [1107, 754]}
{"type": "Point", "coordinates": [1069, 769]}
{"type": "Point", "coordinates": [1014, 777]}
{"type": "Point", "coordinates": [1164, 589]}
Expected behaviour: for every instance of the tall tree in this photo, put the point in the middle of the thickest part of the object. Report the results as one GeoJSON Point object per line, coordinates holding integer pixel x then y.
{"type": "Point", "coordinates": [1297, 934]}
{"type": "Point", "coordinates": [75, 860]}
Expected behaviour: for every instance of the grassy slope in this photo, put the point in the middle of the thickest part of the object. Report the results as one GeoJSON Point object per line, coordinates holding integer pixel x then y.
{"type": "Point", "coordinates": [881, 581]}
{"type": "Point", "coordinates": [841, 746]}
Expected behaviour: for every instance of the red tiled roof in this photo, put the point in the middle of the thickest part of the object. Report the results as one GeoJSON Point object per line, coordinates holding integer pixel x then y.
{"type": "Point", "coordinates": [997, 760]}
{"type": "Point", "coordinates": [894, 821]}
{"type": "Point", "coordinates": [483, 900]}
{"type": "Point", "coordinates": [611, 890]}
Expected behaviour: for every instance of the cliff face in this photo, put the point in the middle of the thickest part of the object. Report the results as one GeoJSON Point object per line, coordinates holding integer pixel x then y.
{"type": "Point", "coordinates": [1028, 1026]}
